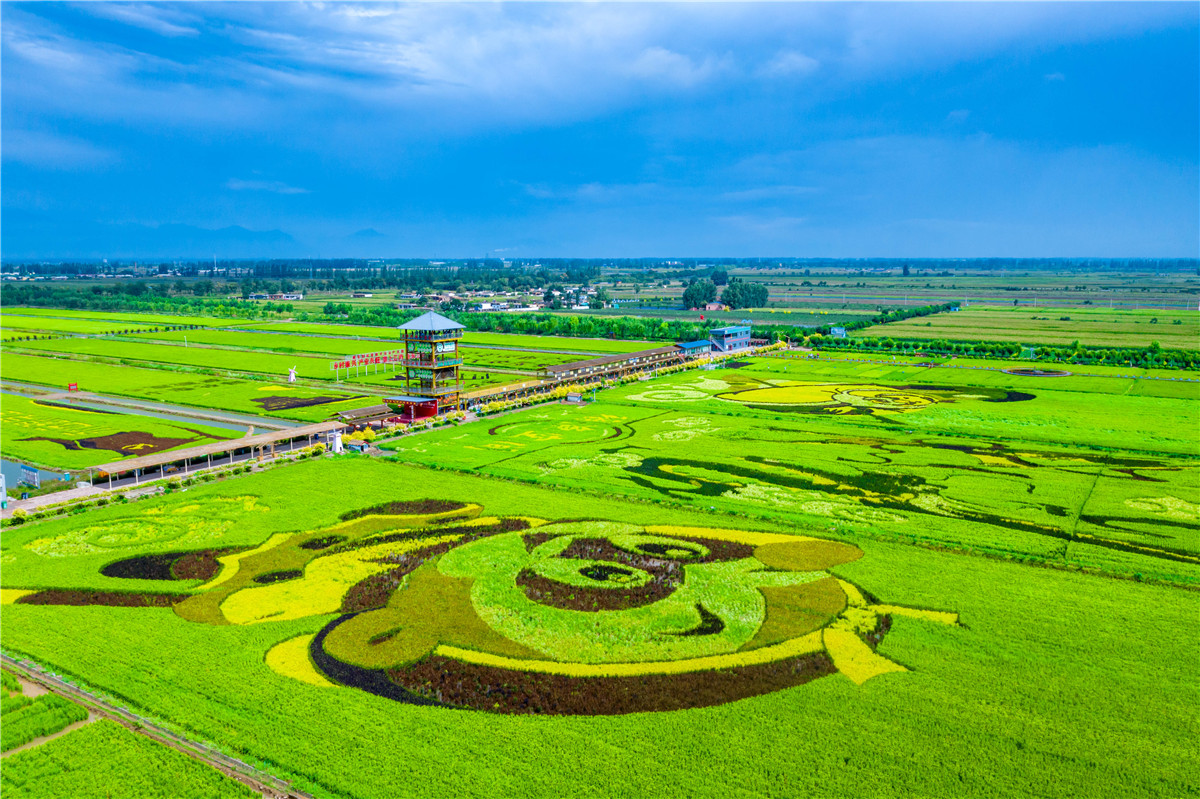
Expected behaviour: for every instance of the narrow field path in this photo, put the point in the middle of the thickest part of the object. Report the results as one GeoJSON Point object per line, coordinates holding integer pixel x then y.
{"type": "Point", "coordinates": [39, 741]}
{"type": "Point", "coordinates": [266, 784]}
{"type": "Point", "coordinates": [149, 407]}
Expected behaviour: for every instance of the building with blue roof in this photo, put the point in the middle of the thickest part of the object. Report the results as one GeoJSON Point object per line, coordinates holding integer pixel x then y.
{"type": "Point", "coordinates": [695, 349]}
{"type": "Point", "coordinates": [730, 339]}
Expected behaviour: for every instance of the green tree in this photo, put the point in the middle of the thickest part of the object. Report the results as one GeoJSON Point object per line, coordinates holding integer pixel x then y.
{"type": "Point", "coordinates": [699, 293]}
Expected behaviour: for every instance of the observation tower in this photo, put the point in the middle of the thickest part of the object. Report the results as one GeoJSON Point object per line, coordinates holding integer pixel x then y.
{"type": "Point", "coordinates": [431, 362]}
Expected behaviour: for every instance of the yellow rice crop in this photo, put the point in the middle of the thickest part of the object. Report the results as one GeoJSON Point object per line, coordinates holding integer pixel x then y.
{"type": "Point", "coordinates": [804, 645]}
{"type": "Point", "coordinates": [290, 659]}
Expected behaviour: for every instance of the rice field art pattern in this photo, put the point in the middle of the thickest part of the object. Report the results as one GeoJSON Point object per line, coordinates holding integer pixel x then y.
{"type": "Point", "coordinates": [434, 603]}
{"type": "Point", "coordinates": [865, 398]}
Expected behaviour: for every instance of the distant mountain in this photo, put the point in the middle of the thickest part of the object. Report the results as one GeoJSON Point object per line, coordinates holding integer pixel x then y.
{"type": "Point", "coordinates": [37, 236]}
{"type": "Point", "coordinates": [366, 234]}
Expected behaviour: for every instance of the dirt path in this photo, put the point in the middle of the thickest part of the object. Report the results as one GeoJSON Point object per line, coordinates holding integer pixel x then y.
{"type": "Point", "coordinates": [266, 784]}
{"type": "Point", "coordinates": [39, 741]}
{"type": "Point", "coordinates": [30, 689]}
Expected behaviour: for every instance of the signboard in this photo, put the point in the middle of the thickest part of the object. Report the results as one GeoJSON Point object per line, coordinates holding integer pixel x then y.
{"type": "Point", "coordinates": [441, 346]}
{"type": "Point", "coordinates": [368, 359]}
{"type": "Point", "coordinates": [72, 386]}
{"type": "Point", "coordinates": [31, 476]}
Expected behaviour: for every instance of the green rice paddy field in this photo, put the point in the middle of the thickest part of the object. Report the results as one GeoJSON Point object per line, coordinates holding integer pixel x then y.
{"type": "Point", "coordinates": [792, 578]}
{"type": "Point", "coordinates": [89, 762]}
{"type": "Point", "coordinates": [599, 346]}
{"type": "Point", "coordinates": [1046, 682]}
{"type": "Point", "coordinates": [53, 434]}
{"type": "Point", "coordinates": [331, 347]}
{"type": "Point", "coordinates": [22, 326]}
{"type": "Point", "coordinates": [183, 388]}
{"type": "Point", "coordinates": [1090, 326]}
{"type": "Point", "coordinates": [805, 317]}
{"type": "Point", "coordinates": [130, 317]}
{"type": "Point", "coordinates": [266, 352]}
{"type": "Point", "coordinates": [970, 458]}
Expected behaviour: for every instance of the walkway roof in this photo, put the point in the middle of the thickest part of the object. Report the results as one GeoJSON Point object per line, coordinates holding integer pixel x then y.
{"type": "Point", "coordinates": [219, 448]}
{"type": "Point", "coordinates": [605, 360]}
{"type": "Point", "coordinates": [362, 413]}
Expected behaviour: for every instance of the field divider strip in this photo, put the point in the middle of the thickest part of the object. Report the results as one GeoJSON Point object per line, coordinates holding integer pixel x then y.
{"type": "Point", "coordinates": [47, 738]}
{"type": "Point", "coordinates": [244, 772]}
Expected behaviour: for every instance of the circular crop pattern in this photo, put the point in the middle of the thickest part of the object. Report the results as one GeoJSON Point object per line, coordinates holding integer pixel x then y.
{"type": "Point", "coordinates": [596, 617]}
{"type": "Point", "coordinates": [439, 605]}
{"type": "Point", "coordinates": [835, 398]}
{"type": "Point", "coordinates": [1030, 372]}
{"type": "Point", "coordinates": [566, 432]}
{"type": "Point", "coordinates": [670, 395]}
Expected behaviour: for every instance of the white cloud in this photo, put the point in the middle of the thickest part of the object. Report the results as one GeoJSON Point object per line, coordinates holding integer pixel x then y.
{"type": "Point", "coordinates": [665, 67]}
{"type": "Point", "coordinates": [275, 186]}
{"type": "Point", "coordinates": [763, 225]}
{"type": "Point", "coordinates": [467, 66]}
{"type": "Point", "coordinates": [594, 193]}
{"type": "Point", "coordinates": [769, 193]}
{"type": "Point", "coordinates": [52, 151]}
{"type": "Point", "coordinates": [789, 64]}
{"type": "Point", "coordinates": [958, 115]}
{"type": "Point", "coordinates": [162, 20]}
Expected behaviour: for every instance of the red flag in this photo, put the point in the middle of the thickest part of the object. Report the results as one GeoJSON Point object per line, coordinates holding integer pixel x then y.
{"type": "Point", "coordinates": [701, 317]}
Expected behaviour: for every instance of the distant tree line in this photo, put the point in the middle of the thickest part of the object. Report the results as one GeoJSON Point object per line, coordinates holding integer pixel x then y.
{"type": "Point", "coordinates": [50, 296]}
{"type": "Point", "coordinates": [1152, 356]}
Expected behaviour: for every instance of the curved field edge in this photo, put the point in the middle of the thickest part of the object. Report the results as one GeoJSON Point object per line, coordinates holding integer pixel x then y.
{"type": "Point", "coordinates": [1066, 736]}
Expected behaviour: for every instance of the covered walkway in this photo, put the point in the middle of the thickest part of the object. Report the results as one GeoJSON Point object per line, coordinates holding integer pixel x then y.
{"type": "Point", "coordinates": [222, 453]}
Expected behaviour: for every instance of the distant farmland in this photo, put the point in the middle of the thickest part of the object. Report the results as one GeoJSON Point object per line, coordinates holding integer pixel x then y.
{"type": "Point", "coordinates": [1091, 327]}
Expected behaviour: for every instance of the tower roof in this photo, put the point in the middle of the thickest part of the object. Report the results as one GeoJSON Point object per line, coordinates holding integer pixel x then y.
{"type": "Point", "coordinates": [430, 322]}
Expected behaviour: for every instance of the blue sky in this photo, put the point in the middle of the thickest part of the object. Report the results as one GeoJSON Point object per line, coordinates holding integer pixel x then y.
{"type": "Point", "coordinates": [528, 130]}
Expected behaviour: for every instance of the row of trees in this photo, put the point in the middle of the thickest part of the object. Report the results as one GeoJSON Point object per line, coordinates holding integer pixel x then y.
{"type": "Point", "coordinates": [737, 294]}
{"type": "Point", "coordinates": [1153, 356]}
{"type": "Point", "coordinates": [50, 296]}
